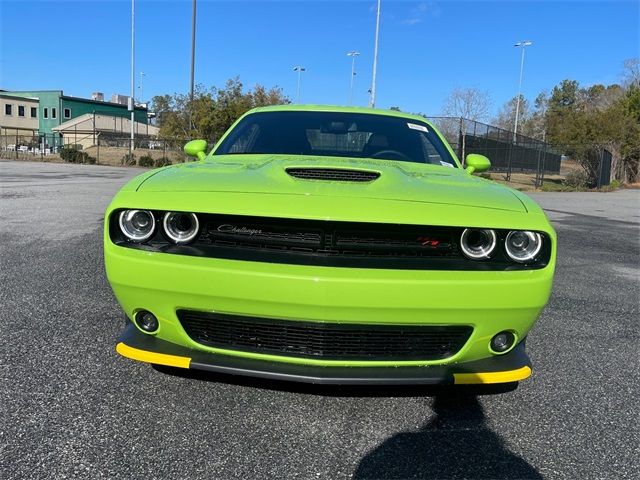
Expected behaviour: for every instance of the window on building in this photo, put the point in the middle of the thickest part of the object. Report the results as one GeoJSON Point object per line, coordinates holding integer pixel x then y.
{"type": "Point", "coordinates": [34, 112]}
{"type": "Point", "coordinates": [45, 113]}
{"type": "Point", "coordinates": [21, 110]}
{"type": "Point", "coordinates": [53, 112]}
{"type": "Point", "coordinates": [67, 113]}
{"type": "Point", "coordinates": [7, 108]}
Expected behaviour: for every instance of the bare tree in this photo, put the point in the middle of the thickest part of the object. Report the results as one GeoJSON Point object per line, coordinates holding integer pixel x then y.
{"type": "Point", "coordinates": [631, 73]}
{"type": "Point", "coordinates": [470, 103]}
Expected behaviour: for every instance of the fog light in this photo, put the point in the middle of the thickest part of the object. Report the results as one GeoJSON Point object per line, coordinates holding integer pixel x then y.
{"type": "Point", "coordinates": [502, 342]}
{"type": "Point", "coordinates": [147, 321]}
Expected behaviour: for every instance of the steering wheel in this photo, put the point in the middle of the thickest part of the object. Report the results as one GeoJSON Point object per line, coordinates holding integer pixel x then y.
{"type": "Point", "coordinates": [394, 154]}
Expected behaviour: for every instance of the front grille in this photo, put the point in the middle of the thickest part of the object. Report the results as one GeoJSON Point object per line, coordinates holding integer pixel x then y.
{"type": "Point", "coordinates": [333, 174]}
{"type": "Point", "coordinates": [330, 341]}
{"type": "Point", "coordinates": [264, 236]}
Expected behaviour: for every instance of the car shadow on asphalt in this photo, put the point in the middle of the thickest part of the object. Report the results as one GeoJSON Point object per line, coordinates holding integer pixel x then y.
{"type": "Point", "coordinates": [455, 444]}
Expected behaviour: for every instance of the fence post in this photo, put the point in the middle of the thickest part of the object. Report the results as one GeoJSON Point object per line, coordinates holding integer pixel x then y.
{"type": "Point", "coordinates": [537, 180]}
{"type": "Point", "coordinates": [544, 165]}
{"type": "Point", "coordinates": [509, 161]}
{"type": "Point", "coordinates": [17, 157]}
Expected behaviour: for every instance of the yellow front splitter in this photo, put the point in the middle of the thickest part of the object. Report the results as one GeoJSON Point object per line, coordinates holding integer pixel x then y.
{"type": "Point", "coordinates": [511, 367]}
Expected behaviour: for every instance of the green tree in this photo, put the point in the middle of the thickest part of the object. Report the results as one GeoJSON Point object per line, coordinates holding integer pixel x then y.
{"type": "Point", "coordinates": [211, 111]}
{"type": "Point", "coordinates": [583, 121]}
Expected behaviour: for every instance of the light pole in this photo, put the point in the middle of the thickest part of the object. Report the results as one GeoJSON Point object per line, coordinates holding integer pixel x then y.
{"type": "Point", "coordinates": [193, 48]}
{"type": "Point", "coordinates": [353, 54]}
{"type": "Point", "coordinates": [372, 97]}
{"type": "Point", "coordinates": [299, 69]}
{"type": "Point", "coordinates": [523, 44]}
{"type": "Point", "coordinates": [132, 102]}
{"type": "Point", "coordinates": [193, 61]}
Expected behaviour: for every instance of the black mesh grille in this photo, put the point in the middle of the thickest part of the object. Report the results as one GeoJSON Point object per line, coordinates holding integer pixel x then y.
{"type": "Point", "coordinates": [328, 238]}
{"type": "Point", "coordinates": [333, 174]}
{"type": "Point", "coordinates": [329, 341]}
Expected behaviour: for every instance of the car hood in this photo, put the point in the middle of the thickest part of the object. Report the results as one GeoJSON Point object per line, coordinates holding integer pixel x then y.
{"type": "Point", "coordinates": [267, 174]}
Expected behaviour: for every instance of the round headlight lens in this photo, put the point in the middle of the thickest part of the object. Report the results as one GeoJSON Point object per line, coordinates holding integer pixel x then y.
{"type": "Point", "coordinates": [180, 227]}
{"type": "Point", "coordinates": [478, 243]}
{"type": "Point", "coordinates": [137, 225]}
{"type": "Point", "coordinates": [522, 245]}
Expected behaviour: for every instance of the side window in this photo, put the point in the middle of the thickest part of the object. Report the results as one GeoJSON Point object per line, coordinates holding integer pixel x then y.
{"type": "Point", "coordinates": [67, 113]}
{"type": "Point", "coordinates": [7, 108]}
{"type": "Point", "coordinates": [53, 112]}
{"type": "Point", "coordinates": [34, 112]}
{"type": "Point", "coordinates": [21, 110]}
{"type": "Point", "coordinates": [45, 113]}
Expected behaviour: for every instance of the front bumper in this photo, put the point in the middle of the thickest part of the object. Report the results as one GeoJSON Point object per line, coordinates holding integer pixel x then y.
{"type": "Point", "coordinates": [511, 367]}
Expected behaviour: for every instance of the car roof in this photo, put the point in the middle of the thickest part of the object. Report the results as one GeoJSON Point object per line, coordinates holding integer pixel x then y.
{"type": "Point", "coordinates": [341, 109]}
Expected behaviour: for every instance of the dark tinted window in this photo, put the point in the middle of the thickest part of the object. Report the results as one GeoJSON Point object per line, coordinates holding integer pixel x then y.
{"type": "Point", "coordinates": [34, 112]}
{"type": "Point", "coordinates": [337, 134]}
{"type": "Point", "coordinates": [7, 109]}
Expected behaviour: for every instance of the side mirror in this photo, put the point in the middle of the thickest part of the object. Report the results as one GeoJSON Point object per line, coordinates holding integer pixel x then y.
{"type": "Point", "coordinates": [477, 163]}
{"type": "Point", "coordinates": [196, 148]}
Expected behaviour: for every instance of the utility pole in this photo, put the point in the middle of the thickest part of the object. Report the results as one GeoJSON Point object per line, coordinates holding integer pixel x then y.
{"type": "Point", "coordinates": [193, 61]}
{"type": "Point", "coordinates": [132, 101]}
{"type": "Point", "coordinates": [522, 45]}
{"type": "Point", "coordinates": [193, 49]}
{"type": "Point", "coordinates": [299, 69]}
{"type": "Point", "coordinates": [372, 98]}
{"type": "Point", "coordinates": [353, 54]}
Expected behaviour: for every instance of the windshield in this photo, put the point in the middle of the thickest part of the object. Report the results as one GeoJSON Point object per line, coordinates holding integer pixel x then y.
{"type": "Point", "coordinates": [337, 134]}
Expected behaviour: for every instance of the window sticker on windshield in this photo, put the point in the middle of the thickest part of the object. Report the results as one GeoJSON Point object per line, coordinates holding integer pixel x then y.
{"type": "Point", "coordinates": [446, 164]}
{"type": "Point", "coordinates": [415, 126]}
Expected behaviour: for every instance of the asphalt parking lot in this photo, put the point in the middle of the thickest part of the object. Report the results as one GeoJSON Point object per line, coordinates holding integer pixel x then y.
{"type": "Point", "coordinates": [70, 407]}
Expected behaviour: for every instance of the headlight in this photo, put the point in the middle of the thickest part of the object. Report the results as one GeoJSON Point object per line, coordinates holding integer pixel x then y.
{"type": "Point", "coordinates": [478, 243]}
{"type": "Point", "coordinates": [180, 227]}
{"type": "Point", "coordinates": [523, 246]}
{"type": "Point", "coordinates": [137, 225]}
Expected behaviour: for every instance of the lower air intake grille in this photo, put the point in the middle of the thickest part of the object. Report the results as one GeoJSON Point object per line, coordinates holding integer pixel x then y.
{"type": "Point", "coordinates": [333, 174]}
{"type": "Point", "coordinates": [328, 341]}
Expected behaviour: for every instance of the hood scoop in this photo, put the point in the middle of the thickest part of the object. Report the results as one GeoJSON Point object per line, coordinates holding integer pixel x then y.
{"type": "Point", "coordinates": [333, 174]}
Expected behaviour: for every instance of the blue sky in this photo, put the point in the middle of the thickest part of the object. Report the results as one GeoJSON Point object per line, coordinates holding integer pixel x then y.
{"type": "Point", "coordinates": [426, 48]}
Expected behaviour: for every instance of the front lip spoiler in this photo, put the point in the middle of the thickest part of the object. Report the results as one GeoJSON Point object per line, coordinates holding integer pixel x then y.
{"type": "Point", "coordinates": [510, 367]}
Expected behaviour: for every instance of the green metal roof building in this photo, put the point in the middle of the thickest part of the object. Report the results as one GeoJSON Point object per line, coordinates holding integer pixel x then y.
{"type": "Point", "coordinates": [56, 108]}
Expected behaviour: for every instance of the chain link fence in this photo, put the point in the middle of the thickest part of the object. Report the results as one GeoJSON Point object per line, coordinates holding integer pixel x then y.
{"type": "Point", "coordinates": [105, 148]}
{"type": "Point", "coordinates": [519, 154]}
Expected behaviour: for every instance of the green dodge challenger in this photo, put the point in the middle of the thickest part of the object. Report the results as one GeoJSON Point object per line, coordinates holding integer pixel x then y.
{"type": "Point", "coordinates": [329, 245]}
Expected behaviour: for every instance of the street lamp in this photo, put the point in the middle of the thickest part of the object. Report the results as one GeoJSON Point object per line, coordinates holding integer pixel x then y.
{"type": "Point", "coordinates": [132, 102]}
{"type": "Point", "coordinates": [193, 48]}
{"type": "Point", "coordinates": [353, 54]}
{"type": "Point", "coordinates": [523, 44]}
{"type": "Point", "coordinates": [299, 69]}
{"type": "Point", "coordinates": [193, 62]}
{"type": "Point", "coordinates": [372, 97]}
